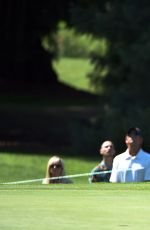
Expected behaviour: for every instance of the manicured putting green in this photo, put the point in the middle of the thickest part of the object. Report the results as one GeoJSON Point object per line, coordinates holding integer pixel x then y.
{"type": "Point", "coordinates": [71, 207]}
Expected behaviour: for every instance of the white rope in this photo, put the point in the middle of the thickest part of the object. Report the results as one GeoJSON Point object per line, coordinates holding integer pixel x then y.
{"type": "Point", "coordinates": [57, 178]}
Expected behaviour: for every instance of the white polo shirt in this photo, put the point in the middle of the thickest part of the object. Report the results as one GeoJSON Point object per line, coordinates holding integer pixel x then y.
{"type": "Point", "coordinates": [127, 168]}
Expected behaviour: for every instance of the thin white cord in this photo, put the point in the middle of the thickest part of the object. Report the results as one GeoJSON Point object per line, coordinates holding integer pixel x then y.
{"type": "Point", "coordinates": [56, 178]}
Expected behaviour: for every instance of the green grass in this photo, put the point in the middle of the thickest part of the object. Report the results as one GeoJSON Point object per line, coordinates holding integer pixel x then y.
{"type": "Point", "coordinates": [80, 205]}
{"type": "Point", "coordinates": [16, 167]}
{"type": "Point", "coordinates": [70, 209]}
{"type": "Point", "coordinates": [74, 71]}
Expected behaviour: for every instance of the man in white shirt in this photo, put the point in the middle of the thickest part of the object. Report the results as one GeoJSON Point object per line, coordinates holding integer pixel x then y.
{"type": "Point", "coordinates": [134, 164]}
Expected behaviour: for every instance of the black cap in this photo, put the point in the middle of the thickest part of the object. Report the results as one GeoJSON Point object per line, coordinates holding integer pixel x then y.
{"type": "Point", "coordinates": [134, 130]}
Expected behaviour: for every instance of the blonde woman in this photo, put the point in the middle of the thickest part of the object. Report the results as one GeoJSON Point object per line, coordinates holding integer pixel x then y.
{"type": "Point", "coordinates": [55, 168]}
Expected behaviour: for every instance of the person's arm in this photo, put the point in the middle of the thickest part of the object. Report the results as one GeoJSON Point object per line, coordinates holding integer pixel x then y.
{"type": "Point", "coordinates": [93, 177]}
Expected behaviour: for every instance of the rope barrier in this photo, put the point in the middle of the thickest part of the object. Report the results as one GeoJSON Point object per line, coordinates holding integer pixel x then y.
{"type": "Point", "coordinates": [56, 178]}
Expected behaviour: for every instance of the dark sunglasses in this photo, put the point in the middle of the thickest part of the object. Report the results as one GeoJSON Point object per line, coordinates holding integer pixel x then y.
{"type": "Point", "coordinates": [56, 166]}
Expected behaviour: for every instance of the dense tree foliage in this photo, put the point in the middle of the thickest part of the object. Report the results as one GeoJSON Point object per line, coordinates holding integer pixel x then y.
{"type": "Point", "coordinates": [125, 25]}
{"type": "Point", "coordinates": [122, 74]}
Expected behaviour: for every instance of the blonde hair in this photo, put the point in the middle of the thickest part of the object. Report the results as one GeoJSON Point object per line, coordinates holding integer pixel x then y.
{"type": "Point", "coordinates": [51, 161]}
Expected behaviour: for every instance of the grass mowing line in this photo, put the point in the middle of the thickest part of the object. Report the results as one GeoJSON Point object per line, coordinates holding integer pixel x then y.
{"type": "Point", "coordinates": [94, 186]}
{"type": "Point", "coordinates": [72, 209]}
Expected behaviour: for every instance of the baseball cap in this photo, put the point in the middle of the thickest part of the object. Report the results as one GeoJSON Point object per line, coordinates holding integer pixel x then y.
{"type": "Point", "coordinates": [134, 130]}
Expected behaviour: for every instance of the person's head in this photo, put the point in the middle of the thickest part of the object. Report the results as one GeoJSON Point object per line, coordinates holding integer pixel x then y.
{"type": "Point", "coordinates": [134, 139]}
{"type": "Point", "coordinates": [107, 149]}
{"type": "Point", "coordinates": [55, 167]}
